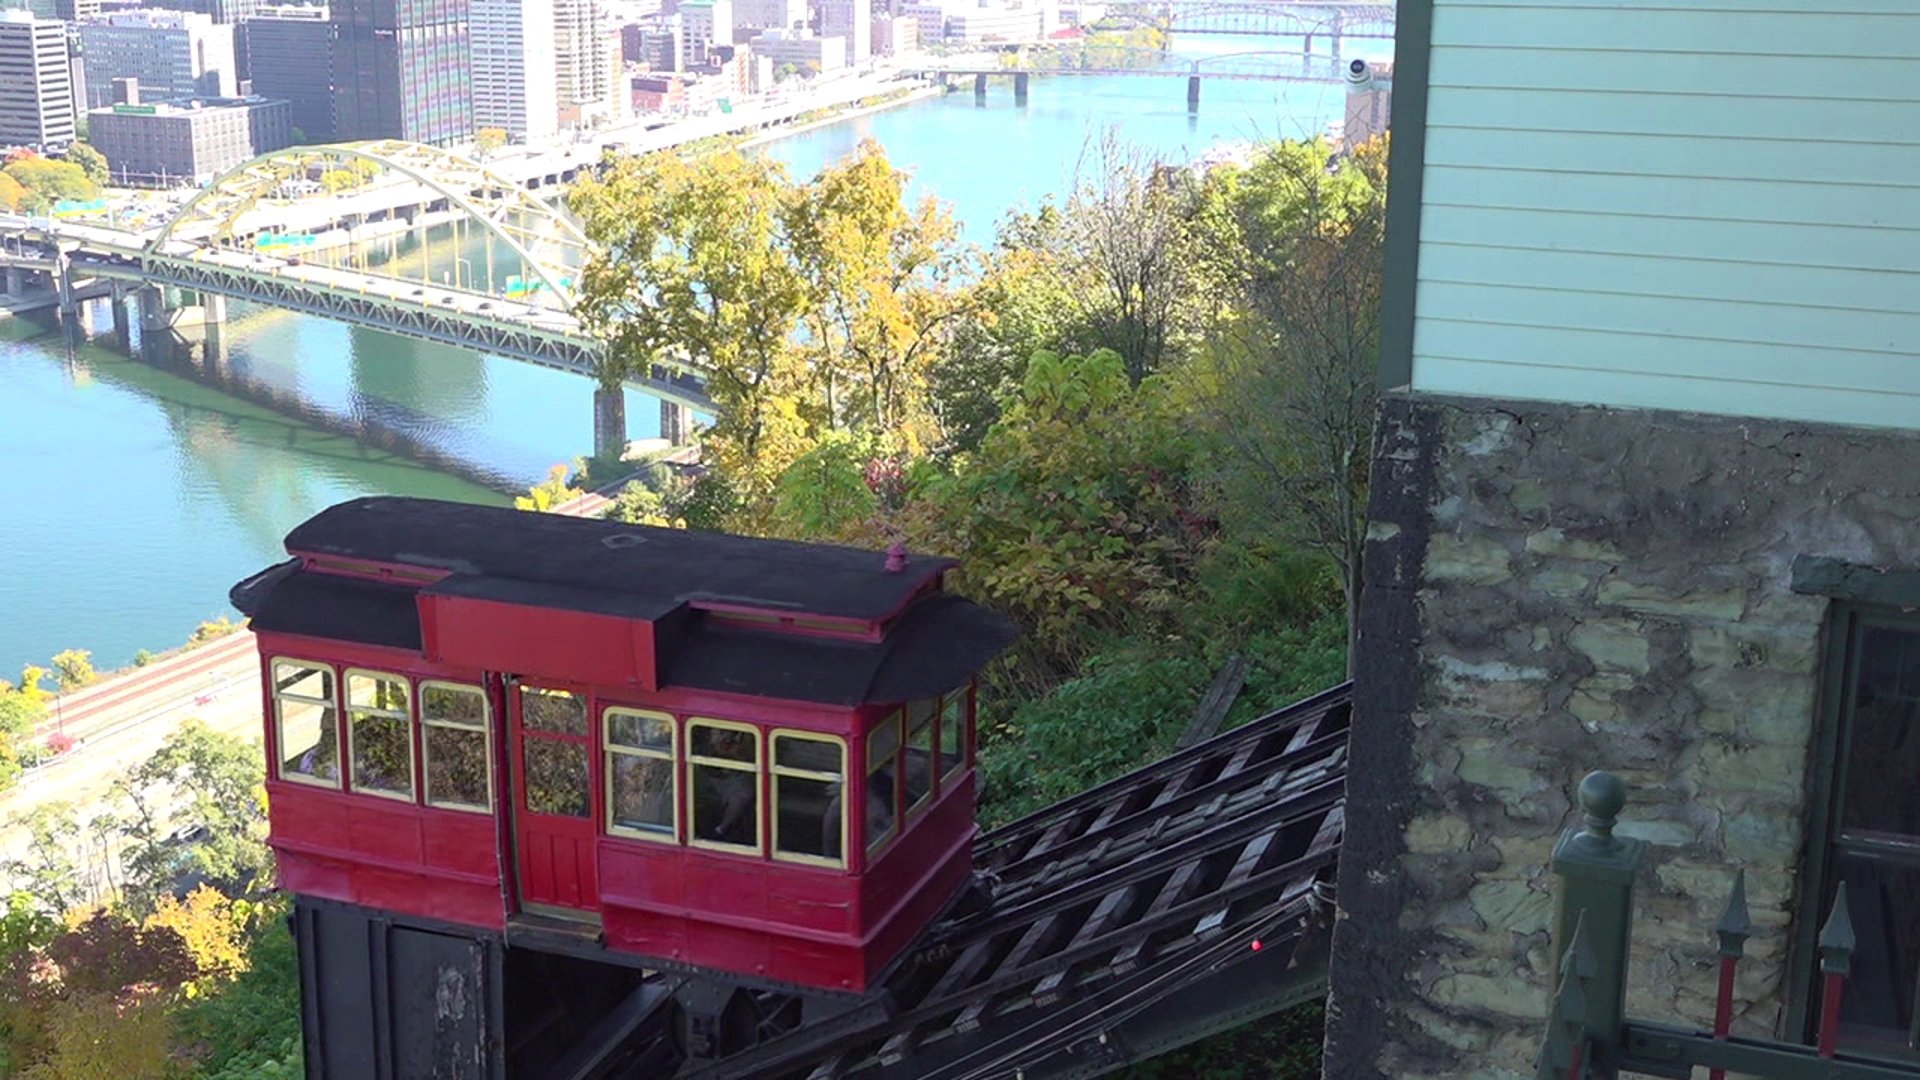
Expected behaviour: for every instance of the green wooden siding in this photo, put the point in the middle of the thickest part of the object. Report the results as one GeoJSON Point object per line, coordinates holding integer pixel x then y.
{"type": "Point", "coordinates": [1710, 205]}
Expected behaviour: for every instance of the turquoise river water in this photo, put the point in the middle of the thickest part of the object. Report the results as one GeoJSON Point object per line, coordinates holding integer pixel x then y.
{"type": "Point", "coordinates": [132, 495]}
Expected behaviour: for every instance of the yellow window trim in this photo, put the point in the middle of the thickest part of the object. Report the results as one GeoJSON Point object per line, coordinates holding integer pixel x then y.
{"type": "Point", "coordinates": [928, 725]}
{"type": "Point", "coordinates": [405, 715]}
{"type": "Point", "coordinates": [759, 816]}
{"type": "Point", "coordinates": [671, 757]}
{"type": "Point", "coordinates": [426, 755]}
{"type": "Point", "coordinates": [280, 725]}
{"type": "Point", "coordinates": [959, 720]}
{"type": "Point", "coordinates": [897, 720]}
{"type": "Point", "coordinates": [777, 770]}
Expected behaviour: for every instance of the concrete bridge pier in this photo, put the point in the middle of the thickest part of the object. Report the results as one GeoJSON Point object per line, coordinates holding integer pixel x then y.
{"type": "Point", "coordinates": [609, 422]}
{"type": "Point", "coordinates": [980, 89]}
{"type": "Point", "coordinates": [213, 346]}
{"type": "Point", "coordinates": [155, 313]}
{"type": "Point", "coordinates": [676, 423]}
{"type": "Point", "coordinates": [122, 324]}
{"type": "Point", "coordinates": [1020, 82]}
{"type": "Point", "coordinates": [213, 308]}
{"type": "Point", "coordinates": [1193, 93]}
{"type": "Point", "coordinates": [16, 281]}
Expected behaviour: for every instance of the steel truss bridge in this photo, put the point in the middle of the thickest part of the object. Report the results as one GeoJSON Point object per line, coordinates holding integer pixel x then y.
{"type": "Point", "coordinates": [1073, 58]}
{"type": "Point", "coordinates": [502, 280]}
{"type": "Point", "coordinates": [1303, 18]}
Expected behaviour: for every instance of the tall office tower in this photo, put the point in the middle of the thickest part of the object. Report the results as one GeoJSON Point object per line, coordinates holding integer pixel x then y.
{"type": "Point", "coordinates": [36, 94]}
{"type": "Point", "coordinates": [704, 24]}
{"type": "Point", "coordinates": [77, 71]}
{"type": "Point", "coordinates": [588, 67]}
{"type": "Point", "coordinates": [76, 10]}
{"type": "Point", "coordinates": [750, 17]}
{"type": "Point", "coordinates": [850, 19]}
{"type": "Point", "coordinates": [515, 69]}
{"type": "Point", "coordinates": [401, 70]}
{"type": "Point", "coordinates": [174, 54]}
{"type": "Point", "coordinates": [289, 54]}
{"type": "Point", "coordinates": [223, 11]}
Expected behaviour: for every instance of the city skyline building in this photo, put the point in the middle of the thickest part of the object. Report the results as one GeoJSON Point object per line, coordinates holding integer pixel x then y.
{"type": "Point", "coordinates": [36, 90]}
{"type": "Point", "coordinates": [750, 17]}
{"type": "Point", "coordinates": [289, 56]}
{"type": "Point", "coordinates": [588, 66]}
{"type": "Point", "coordinates": [851, 20]}
{"type": "Point", "coordinates": [402, 70]}
{"type": "Point", "coordinates": [516, 67]}
{"type": "Point", "coordinates": [164, 144]}
{"type": "Point", "coordinates": [703, 24]}
{"type": "Point", "coordinates": [174, 55]}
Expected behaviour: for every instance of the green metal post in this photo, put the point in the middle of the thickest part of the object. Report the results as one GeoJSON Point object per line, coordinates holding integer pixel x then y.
{"type": "Point", "coordinates": [1596, 870]}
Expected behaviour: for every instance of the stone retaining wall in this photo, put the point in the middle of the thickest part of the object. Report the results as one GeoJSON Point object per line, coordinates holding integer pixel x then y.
{"type": "Point", "coordinates": [1553, 590]}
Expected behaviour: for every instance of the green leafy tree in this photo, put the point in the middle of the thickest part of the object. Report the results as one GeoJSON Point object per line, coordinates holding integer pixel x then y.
{"type": "Point", "coordinates": [19, 713]}
{"type": "Point", "coordinates": [49, 869]}
{"type": "Point", "coordinates": [639, 504]}
{"type": "Point", "coordinates": [1127, 248]}
{"type": "Point", "coordinates": [52, 180]}
{"type": "Point", "coordinates": [696, 264]}
{"type": "Point", "coordinates": [880, 277]}
{"type": "Point", "coordinates": [1075, 514]}
{"type": "Point", "coordinates": [487, 140]}
{"type": "Point", "coordinates": [249, 1029]}
{"type": "Point", "coordinates": [211, 780]}
{"type": "Point", "coordinates": [74, 669]}
{"type": "Point", "coordinates": [812, 308]}
{"type": "Point", "coordinates": [1294, 385]}
{"type": "Point", "coordinates": [550, 493]}
{"type": "Point", "coordinates": [92, 162]}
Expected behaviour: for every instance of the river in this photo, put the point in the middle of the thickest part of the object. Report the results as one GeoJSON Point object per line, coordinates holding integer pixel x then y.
{"type": "Point", "coordinates": [133, 495]}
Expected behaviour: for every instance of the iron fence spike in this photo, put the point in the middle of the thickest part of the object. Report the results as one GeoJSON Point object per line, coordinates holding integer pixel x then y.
{"type": "Point", "coordinates": [1578, 958]}
{"type": "Point", "coordinates": [1836, 937]}
{"type": "Point", "coordinates": [1736, 925]}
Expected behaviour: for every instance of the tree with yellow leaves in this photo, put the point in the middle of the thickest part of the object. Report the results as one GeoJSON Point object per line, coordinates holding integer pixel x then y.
{"type": "Point", "coordinates": [810, 308]}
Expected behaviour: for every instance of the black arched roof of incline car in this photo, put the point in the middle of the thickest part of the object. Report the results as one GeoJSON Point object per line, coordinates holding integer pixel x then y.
{"type": "Point", "coordinates": [937, 643]}
{"type": "Point", "coordinates": [608, 557]}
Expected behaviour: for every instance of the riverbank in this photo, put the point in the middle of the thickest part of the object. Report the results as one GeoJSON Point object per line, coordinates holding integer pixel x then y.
{"type": "Point", "coordinates": [920, 93]}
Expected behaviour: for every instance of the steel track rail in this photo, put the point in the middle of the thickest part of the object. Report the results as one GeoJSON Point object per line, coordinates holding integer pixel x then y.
{"type": "Point", "coordinates": [1144, 900]}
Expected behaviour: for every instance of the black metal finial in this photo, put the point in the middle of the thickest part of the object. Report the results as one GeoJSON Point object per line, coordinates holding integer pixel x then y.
{"type": "Point", "coordinates": [1602, 795]}
{"type": "Point", "coordinates": [1836, 938]}
{"type": "Point", "coordinates": [1735, 924]}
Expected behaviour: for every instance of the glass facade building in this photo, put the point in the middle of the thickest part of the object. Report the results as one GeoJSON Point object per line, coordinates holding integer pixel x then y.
{"type": "Point", "coordinates": [400, 70]}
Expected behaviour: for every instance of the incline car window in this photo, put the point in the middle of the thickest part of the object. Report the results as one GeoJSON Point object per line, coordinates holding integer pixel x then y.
{"type": "Point", "coordinates": [953, 733]}
{"type": "Point", "coordinates": [641, 789]}
{"type": "Point", "coordinates": [883, 781]}
{"type": "Point", "coordinates": [554, 753]}
{"type": "Point", "coordinates": [453, 738]}
{"type": "Point", "coordinates": [724, 766]}
{"type": "Point", "coordinates": [918, 763]}
{"type": "Point", "coordinates": [379, 734]}
{"type": "Point", "coordinates": [810, 818]}
{"type": "Point", "coordinates": [305, 732]}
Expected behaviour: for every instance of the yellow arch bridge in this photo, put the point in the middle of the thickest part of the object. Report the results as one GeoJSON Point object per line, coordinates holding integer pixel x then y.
{"type": "Point", "coordinates": [395, 236]}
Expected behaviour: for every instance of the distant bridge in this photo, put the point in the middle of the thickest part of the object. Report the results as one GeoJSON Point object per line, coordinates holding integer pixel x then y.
{"type": "Point", "coordinates": [1080, 59]}
{"type": "Point", "coordinates": [1289, 18]}
{"type": "Point", "coordinates": [511, 296]}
